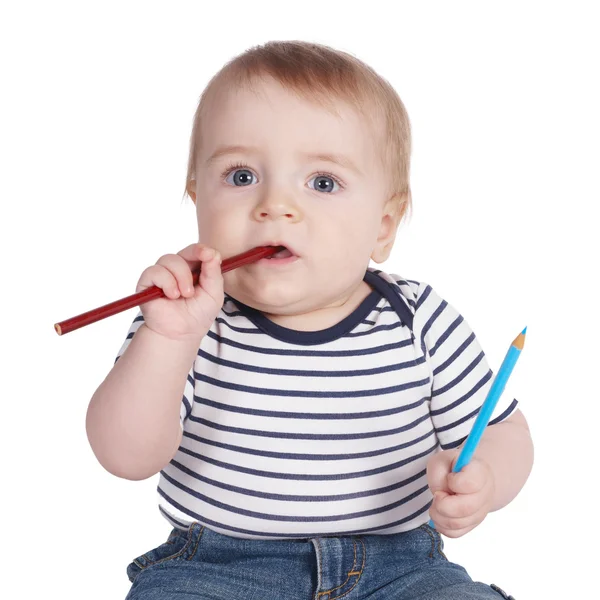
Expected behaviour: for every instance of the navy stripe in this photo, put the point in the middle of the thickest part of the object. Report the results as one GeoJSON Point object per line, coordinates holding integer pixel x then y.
{"type": "Point", "coordinates": [423, 296]}
{"type": "Point", "coordinates": [129, 336]}
{"type": "Point", "coordinates": [389, 327]}
{"type": "Point", "coordinates": [309, 477]}
{"type": "Point", "coordinates": [236, 312]}
{"type": "Point", "coordinates": [254, 330]}
{"type": "Point", "coordinates": [459, 422]}
{"type": "Point", "coordinates": [209, 522]}
{"type": "Point", "coordinates": [312, 416]}
{"type": "Point", "coordinates": [382, 309]}
{"type": "Point", "coordinates": [309, 393]}
{"type": "Point", "coordinates": [505, 414]}
{"type": "Point", "coordinates": [402, 282]}
{"type": "Point", "coordinates": [173, 520]}
{"type": "Point", "coordinates": [432, 319]}
{"type": "Point", "coordinates": [495, 421]}
{"type": "Point", "coordinates": [294, 456]}
{"type": "Point", "coordinates": [300, 352]}
{"type": "Point", "coordinates": [469, 394]}
{"type": "Point", "coordinates": [293, 518]}
{"type": "Point", "coordinates": [310, 373]}
{"type": "Point", "coordinates": [393, 295]}
{"type": "Point", "coordinates": [453, 445]}
{"type": "Point", "coordinates": [458, 379]}
{"type": "Point", "coordinates": [308, 436]}
{"type": "Point", "coordinates": [446, 335]}
{"type": "Point", "coordinates": [295, 497]}
{"type": "Point", "coordinates": [188, 406]}
{"type": "Point", "coordinates": [455, 355]}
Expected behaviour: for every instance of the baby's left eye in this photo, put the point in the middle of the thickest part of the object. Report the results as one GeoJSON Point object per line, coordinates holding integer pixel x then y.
{"type": "Point", "coordinates": [324, 183]}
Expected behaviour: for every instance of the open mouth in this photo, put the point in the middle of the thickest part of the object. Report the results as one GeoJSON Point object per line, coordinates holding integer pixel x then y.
{"type": "Point", "coordinates": [283, 253]}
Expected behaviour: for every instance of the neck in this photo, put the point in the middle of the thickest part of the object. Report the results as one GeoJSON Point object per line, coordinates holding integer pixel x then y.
{"type": "Point", "coordinates": [328, 316]}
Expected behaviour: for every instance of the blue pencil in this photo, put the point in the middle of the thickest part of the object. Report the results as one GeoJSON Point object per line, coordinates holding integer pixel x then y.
{"type": "Point", "coordinates": [489, 404]}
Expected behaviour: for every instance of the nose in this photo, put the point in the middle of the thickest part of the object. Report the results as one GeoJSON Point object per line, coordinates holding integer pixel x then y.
{"type": "Point", "coordinates": [275, 205]}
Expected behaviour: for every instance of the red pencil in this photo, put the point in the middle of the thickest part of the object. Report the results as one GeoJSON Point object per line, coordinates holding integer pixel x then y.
{"type": "Point", "coordinates": [154, 292]}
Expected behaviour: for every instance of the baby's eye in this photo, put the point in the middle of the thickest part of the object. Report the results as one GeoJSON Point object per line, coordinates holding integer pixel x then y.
{"type": "Point", "coordinates": [240, 177]}
{"type": "Point", "coordinates": [324, 183]}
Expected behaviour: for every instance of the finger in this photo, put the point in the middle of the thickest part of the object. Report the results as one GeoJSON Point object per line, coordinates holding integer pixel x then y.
{"type": "Point", "coordinates": [160, 277]}
{"type": "Point", "coordinates": [195, 254]}
{"type": "Point", "coordinates": [180, 269]}
{"type": "Point", "coordinates": [211, 276]}
{"type": "Point", "coordinates": [458, 506]}
{"type": "Point", "coordinates": [457, 527]}
{"type": "Point", "coordinates": [456, 533]}
{"type": "Point", "coordinates": [438, 468]}
{"type": "Point", "coordinates": [470, 479]}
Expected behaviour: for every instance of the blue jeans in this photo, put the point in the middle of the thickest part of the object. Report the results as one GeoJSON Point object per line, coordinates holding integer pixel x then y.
{"type": "Point", "coordinates": [204, 565]}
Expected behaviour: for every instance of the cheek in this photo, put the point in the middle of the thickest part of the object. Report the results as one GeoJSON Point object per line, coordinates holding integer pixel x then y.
{"type": "Point", "coordinates": [347, 246]}
{"type": "Point", "coordinates": [357, 225]}
{"type": "Point", "coordinates": [211, 222]}
{"type": "Point", "coordinates": [225, 230]}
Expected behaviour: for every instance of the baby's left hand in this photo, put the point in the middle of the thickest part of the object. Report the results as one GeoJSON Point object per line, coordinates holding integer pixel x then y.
{"type": "Point", "coordinates": [461, 500]}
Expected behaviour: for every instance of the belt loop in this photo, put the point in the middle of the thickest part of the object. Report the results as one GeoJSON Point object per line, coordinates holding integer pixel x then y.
{"type": "Point", "coordinates": [194, 535]}
{"type": "Point", "coordinates": [317, 545]}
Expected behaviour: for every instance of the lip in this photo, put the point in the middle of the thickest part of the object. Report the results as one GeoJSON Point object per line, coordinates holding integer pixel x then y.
{"type": "Point", "coordinates": [277, 262]}
{"type": "Point", "coordinates": [280, 243]}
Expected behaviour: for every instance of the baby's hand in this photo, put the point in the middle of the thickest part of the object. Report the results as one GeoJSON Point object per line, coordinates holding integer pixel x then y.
{"type": "Point", "coordinates": [187, 312]}
{"type": "Point", "coordinates": [461, 500]}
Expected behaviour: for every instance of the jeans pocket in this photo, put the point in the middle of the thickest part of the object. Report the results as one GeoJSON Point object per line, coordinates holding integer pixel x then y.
{"type": "Point", "coordinates": [173, 548]}
{"type": "Point", "coordinates": [440, 540]}
{"type": "Point", "coordinates": [437, 542]}
{"type": "Point", "coordinates": [501, 592]}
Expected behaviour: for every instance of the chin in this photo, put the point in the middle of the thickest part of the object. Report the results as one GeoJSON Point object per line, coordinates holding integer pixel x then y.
{"type": "Point", "coordinates": [264, 296]}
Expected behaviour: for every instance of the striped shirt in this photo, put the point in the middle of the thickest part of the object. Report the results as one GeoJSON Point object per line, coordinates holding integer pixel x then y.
{"type": "Point", "coordinates": [299, 434]}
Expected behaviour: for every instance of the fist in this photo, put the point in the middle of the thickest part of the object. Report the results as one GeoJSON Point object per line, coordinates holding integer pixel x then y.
{"type": "Point", "coordinates": [461, 501]}
{"type": "Point", "coordinates": [187, 311]}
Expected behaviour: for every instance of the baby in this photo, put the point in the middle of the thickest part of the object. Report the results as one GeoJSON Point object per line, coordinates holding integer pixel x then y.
{"type": "Point", "coordinates": [304, 411]}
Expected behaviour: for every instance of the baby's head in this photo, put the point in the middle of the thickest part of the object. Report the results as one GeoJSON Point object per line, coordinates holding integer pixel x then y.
{"type": "Point", "coordinates": [300, 145]}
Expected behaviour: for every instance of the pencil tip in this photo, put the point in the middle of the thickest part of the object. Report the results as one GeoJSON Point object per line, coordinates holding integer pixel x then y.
{"type": "Point", "coordinates": [524, 331]}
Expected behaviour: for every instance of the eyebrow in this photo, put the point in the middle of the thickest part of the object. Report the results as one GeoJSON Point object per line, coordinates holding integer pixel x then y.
{"type": "Point", "coordinates": [338, 159]}
{"type": "Point", "coordinates": [225, 150]}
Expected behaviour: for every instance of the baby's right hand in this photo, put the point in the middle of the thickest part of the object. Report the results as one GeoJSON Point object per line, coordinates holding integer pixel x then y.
{"type": "Point", "coordinates": [187, 312]}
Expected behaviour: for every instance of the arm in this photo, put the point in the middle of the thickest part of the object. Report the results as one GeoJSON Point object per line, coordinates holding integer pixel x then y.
{"type": "Point", "coordinates": [132, 421]}
{"type": "Point", "coordinates": [507, 448]}
{"type": "Point", "coordinates": [493, 478]}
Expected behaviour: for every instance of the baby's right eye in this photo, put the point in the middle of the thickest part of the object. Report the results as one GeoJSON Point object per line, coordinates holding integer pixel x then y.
{"type": "Point", "coordinates": [240, 177]}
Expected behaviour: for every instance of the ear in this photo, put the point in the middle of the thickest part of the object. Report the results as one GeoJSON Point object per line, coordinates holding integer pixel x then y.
{"type": "Point", "coordinates": [191, 190]}
{"type": "Point", "coordinates": [391, 216]}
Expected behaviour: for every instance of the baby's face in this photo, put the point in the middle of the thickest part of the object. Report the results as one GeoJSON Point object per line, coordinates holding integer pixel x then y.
{"type": "Point", "coordinates": [276, 169]}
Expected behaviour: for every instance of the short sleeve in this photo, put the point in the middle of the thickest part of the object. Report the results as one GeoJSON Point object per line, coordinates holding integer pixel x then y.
{"type": "Point", "coordinates": [461, 375]}
{"type": "Point", "coordinates": [188, 392]}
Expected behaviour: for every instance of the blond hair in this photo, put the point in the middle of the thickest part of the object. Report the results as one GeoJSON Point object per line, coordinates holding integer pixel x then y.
{"type": "Point", "coordinates": [320, 73]}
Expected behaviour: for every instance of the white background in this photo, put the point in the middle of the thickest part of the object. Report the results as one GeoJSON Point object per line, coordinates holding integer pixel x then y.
{"type": "Point", "coordinates": [97, 107]}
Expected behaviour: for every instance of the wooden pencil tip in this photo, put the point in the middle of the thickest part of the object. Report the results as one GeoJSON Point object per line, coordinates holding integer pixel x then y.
{"type": "Point", "coordinates": [519, 341]}
{"type": "Point", "coordinates": [57, 328]}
